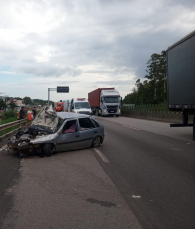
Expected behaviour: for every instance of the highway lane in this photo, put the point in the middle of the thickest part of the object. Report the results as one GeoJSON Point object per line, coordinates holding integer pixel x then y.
{"type": "Point", "coordinates": [150, 164]}
{"type": "Point", "coordinates": [68, 190]}
{"type": "Point", "coordinates": [155, 164]}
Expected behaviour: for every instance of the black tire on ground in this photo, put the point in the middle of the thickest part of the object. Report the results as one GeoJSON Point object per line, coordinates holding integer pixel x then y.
{"type": "Point", "coordinates": [96, 141]}
{"type": "Point", "coordinates": [117, 115]}
{"type": "Point", "coordinates": [48, 150]}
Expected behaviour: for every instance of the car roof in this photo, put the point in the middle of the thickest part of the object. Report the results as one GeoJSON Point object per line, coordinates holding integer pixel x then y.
{"type": "Point", "coordinates": [67, 115]}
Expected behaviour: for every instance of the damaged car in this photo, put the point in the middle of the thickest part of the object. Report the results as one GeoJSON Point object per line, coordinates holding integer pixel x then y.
{"type": "Point", "coordinates": [57, 131]}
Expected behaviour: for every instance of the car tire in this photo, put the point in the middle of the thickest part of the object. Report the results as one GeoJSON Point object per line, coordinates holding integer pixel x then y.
{"type": "Point", "coordinates": [117, 115]}
{"type": "Point", "coordinates": [96, 141]}
{"type": "Point", "coordinates": [48, 150]}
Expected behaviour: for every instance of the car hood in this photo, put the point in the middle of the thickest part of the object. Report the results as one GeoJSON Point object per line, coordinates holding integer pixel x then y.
{"type": "Point", "coordinates": [47, 117]}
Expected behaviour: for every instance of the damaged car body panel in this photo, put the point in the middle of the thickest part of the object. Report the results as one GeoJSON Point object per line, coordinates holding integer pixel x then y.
{"type": "Point", "coordinates": [61, 131]}
{"type": "Point", "coordinates": [46, 118]}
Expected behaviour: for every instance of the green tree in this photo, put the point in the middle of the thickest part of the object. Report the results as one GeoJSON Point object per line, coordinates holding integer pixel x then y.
{"type": "Point", "coordinates": [27, 100]}
{"type": "Point", "coordinates": [156, 69]}
{"type": "Point", "coordinates": [2, 104]}
{"type": "Point", "coordinates": [12, 105]}
{"type": "Point", "coordinates": [152, 90]}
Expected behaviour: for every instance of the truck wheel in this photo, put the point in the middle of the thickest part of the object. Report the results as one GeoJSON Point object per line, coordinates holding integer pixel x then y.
{"type": "Point", "coordinates": [96, 141]}
{"type": "Point", "coordinates": [48, 150]}
{"type": "Point", "coordinates": [98, 112]}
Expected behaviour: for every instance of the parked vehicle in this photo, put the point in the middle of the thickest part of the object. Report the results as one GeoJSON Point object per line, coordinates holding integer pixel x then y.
{"type": "Point", "coordinates": [181, 76]}
{"type": "Point", "coordinates": [181, 80]}
{"type": "Point", "coordinates": [105, 101]}
{"type": "Point", "coordinates": [60, 131]}
{"type": "Point", "coordinates": [59, 106]}
{"type": "Point", "coordinates": [67, 105]}
{"type": "Point", "coordinates": [80, 105]}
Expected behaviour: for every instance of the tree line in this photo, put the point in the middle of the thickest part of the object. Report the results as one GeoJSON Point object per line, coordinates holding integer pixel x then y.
{"type": "Point", "coordinates": [27, 100]}
{"type": "Point", "coordinates": [152, 90]}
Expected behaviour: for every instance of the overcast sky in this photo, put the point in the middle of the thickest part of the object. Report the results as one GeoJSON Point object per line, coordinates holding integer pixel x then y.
{"type": "Point", "coordinates": [84, 44]}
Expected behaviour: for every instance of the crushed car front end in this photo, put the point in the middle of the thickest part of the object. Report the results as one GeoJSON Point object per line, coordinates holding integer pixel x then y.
{"type": "Point", "coordinates": [40, 133]}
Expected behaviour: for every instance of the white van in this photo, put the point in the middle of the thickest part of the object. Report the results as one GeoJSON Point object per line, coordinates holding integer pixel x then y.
{"type": "Point", "coordinates": [80, 105]}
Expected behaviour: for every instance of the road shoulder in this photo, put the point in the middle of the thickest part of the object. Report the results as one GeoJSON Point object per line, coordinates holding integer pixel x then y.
{"type": "Point", "coordinates": [67, 190]}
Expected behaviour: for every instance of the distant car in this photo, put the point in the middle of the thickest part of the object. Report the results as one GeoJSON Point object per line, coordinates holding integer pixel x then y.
{"type": "Point", "coordinates": [58, 131]}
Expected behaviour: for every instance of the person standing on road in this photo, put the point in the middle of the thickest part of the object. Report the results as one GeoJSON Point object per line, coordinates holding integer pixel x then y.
{"type": "Point", "coordinates": [22, 113]}
{"type": "Point", "coordinates": [34, 112]}
{"type": "Point", "coordinates": [18, 114]}
{"type": "Point", "coordinates": [30, 116]}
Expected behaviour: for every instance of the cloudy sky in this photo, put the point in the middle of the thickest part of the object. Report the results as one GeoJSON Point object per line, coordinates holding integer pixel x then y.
{"type": "Point", "coordinates": [84, 44]}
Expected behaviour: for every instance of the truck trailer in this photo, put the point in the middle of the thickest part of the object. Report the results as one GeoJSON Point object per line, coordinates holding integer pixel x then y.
{"type": "Point", "coordinates": [181, 78]}
{"type": "Point", "coordinates": [105, 102]}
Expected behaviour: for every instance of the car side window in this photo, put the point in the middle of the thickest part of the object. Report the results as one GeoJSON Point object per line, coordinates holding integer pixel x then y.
{"type": "Point", "coordinates": [96, 123]}
{"type": "Point", "coordinates": [86, 124]}
{"type": "Point", "coordinates": [70, 127]}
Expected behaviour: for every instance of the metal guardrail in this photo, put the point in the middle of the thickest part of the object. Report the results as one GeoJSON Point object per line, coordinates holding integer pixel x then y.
{"type": "Point", "coordinates": [12, 124]}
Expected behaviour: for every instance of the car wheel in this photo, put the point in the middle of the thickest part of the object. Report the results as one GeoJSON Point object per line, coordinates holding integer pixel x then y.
{"type": "Point", "coordinates": [48, 150]}
{"type": "Point", "coordinates": [96, 141]}
{"type": "Point", "coordinates": [117, 115]}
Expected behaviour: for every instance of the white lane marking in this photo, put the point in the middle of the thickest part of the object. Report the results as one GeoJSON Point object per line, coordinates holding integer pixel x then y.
{"type": "Point", "coordinates": [175, 149]}
{"type": "Point", "coordinates": [101, 155]}
{"type": "Point", "coordinates": [136, 197]}
{"type": "Point", "coordinates": [2, 148]}
{"type": "Point", "coordinates": [131, 127]}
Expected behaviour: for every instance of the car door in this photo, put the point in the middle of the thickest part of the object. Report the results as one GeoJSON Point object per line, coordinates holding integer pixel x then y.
{"type": "Point", "coordinates": [87, 132]}
{"type": "Point", "coordinates": [69, 136]}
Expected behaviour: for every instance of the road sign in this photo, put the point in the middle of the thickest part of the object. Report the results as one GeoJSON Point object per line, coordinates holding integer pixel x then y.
{"type": "Point", "coordinates": [62, 89]}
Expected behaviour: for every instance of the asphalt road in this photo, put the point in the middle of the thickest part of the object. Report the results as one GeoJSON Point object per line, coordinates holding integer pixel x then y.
{"type": "Point", "coordinates": [9, 176]}
{"type": "Point", "coordinates": [143, 176]}
{"type": "Point", "coordinates": [68, 190]}
{"type": "Point", "coordinates": [153, 166]}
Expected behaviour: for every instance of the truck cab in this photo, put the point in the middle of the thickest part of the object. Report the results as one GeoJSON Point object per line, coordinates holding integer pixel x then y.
{"type": "Point", "coordinates": [110, 103]}
{"type": "Point", "coordinates": [80, 105]}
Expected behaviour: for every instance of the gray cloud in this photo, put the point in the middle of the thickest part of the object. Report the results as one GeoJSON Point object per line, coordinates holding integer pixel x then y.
{"type": "Point", "coordinates": [116, 37]}
{"type": "Point", "coordinates": [48, 71]}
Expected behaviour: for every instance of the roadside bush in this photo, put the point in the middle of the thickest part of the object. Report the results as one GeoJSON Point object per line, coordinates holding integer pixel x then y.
{"type": "Point", "coordinates": [9, 114]}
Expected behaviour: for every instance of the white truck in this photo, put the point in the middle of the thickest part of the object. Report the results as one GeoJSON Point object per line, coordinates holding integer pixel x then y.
{"type": "Point", "coordinates": [105, 102]}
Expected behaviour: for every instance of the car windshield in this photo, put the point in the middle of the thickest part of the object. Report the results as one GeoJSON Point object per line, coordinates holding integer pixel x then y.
{"type": "Point", "coordinates": [41, 128]}
{"type": "Point", "coordinates": [82, 105]}
{"type": "Point", "coordinates": [112, 99]}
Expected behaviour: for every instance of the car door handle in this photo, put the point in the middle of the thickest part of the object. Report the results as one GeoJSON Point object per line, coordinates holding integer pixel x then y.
{"type": "Point", "coordinates": [77, 136]}
{"type": "Point", "coordinates": [95, 132]}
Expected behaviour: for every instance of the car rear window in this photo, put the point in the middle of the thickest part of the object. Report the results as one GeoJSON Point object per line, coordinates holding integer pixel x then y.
{"type": "Point", "coordinates": [86, 124]}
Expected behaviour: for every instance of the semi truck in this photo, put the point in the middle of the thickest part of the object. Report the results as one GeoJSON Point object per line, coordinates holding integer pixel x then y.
{"type": "Point", "coordinates": [105, 102]}
{"type": "Point", "coordinates": [180, 58]}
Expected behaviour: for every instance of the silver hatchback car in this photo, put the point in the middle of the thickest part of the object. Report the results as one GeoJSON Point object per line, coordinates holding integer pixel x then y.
{"type": "Point", "coordinates": [58, 131]}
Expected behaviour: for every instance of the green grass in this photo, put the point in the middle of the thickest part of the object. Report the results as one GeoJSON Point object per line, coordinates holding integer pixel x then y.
{"type": "Point", "coordinates": [8, 120]}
